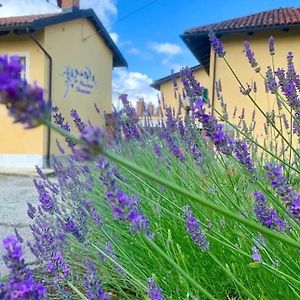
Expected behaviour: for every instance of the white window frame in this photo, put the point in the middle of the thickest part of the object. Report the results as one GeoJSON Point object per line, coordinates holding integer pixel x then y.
{"type": "Point", "coordinates": [27, 59]}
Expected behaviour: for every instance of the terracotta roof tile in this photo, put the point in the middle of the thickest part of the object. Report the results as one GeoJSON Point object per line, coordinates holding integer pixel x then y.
{"type": "Point", "coordinates": [23, 20]}
{"type": "Point", "coordinates": [270, 18]}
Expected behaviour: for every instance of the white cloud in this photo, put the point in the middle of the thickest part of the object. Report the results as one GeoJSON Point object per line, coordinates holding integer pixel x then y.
{"type": "Point", "coordinates": [106, 10]}
{"type": "Point", "coordinates": [166, 48]}
{"type": "Point", "coordinates": [171, 65]}
{"type": "Point", "coordinates": [135, 84]}
{"type": "Point", "coordinates": [142, 54]}
{"type": "Point", "coordinates": [114, 36]}
{"type": "Point", "coordinates": [134, 51]}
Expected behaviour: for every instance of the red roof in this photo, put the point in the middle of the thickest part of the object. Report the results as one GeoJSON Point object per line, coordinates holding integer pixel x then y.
{"type": "Point", "coordinates": [265, 19]}
{"type": "Point", "coordinates": [32, 23]}
{"type": "Point", "coordinates": [23, 20]}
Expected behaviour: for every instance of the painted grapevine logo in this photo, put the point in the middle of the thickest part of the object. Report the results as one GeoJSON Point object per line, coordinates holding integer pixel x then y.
{"type": "Point", "coordinates": [81, 80]}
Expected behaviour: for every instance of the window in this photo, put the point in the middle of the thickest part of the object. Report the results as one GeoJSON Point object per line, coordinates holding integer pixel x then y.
{"type": "Point", "coordinates": [24, 60]}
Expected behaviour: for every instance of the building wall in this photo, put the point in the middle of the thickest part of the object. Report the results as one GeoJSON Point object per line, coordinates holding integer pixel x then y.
{"type": "Point", "coordinates": [233, 44]}
{"type": "Point", "coordinates": [167, 88]}
{"type": "Point", "coordinates": [20, 147]}
{"type": "Point", "coordinates": [76, 46]}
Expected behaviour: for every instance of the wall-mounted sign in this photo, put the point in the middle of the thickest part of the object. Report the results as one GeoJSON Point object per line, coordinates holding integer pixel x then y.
{"type": "Point", "coordinates": [82, 81]}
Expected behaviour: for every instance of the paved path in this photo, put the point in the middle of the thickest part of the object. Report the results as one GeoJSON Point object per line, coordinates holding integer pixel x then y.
{"type": "Point", "coordinates": [15, 192]}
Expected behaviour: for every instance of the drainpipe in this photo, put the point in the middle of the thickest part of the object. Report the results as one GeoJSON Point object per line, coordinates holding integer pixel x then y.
{"type": "Point", "coordinates": [214, 80]}
{"type": "Point", "coordinates": [50, 93]}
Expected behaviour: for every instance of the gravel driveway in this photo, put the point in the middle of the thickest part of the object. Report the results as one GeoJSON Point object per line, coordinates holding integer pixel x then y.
{"type": "Point", "coordinates": [15, 192]}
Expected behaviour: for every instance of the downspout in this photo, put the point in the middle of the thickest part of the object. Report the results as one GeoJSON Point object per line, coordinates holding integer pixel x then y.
{"type": "Point", "coordinates": [213, 84]}
{"type": "Point", "coordinates": [50, 92]}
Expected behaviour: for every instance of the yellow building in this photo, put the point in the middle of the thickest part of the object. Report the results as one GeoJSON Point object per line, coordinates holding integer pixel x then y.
{"type": "Point", "coordinates": [166, 85]}
{"type": "Point", "coordinates": [70, 55]}
{"type": "Point", "coordinates": [283, 24]}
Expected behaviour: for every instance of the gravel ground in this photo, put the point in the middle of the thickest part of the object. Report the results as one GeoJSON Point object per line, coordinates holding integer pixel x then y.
{"type": "Point", "coordinates": [16, 191]}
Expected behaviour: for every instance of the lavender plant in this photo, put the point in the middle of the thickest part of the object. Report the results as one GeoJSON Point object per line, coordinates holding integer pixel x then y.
{"type": "Point", "coordinates": [167, 212]}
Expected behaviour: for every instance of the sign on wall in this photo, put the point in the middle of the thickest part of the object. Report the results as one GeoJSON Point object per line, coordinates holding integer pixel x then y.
{"type": "Point", "coordinates": [82, 81]}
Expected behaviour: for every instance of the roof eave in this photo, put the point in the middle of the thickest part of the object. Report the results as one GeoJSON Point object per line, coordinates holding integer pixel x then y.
{"type": "Point", "coordinates": [89, 14]}
{"type": "Point", "coordinates": [157, 83]}
{"type": "Point", "coordinates": [243, 30]}
{"type": "Point", "coordinates": [186, 39]}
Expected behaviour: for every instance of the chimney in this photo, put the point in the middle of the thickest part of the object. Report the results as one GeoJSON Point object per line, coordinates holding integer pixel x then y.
{"type": "Point", "coordinates": [68, 5]}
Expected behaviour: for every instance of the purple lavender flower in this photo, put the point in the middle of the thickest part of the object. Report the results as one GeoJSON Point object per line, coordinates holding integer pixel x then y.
{"type": "Point", "coordinates": [174, 148]}
{"type": "Point", "coordinates": [255, 254]}
{"type": "Point", "coordinates": [20, 284]}
{"type": "Point", "coordinates": [181, 128]}
{"type": "Point", "coordinates": [60, 121]}
{"type": "Point", "coordinates": [25, 102]}
{"type": "Point", "coordinates": [271, 83]}
{"type": "Point", "coordinates": [94, 289]}
{"type": "Point", "coordinates": [90, 207]}
{"type": "Point", "coordinates": [193, 228]}
{"type": "Point", "coordinates": [57, 267]}
{"type": "Point", "coordinates": [291, 72]}
{"type": "Point", "coordinates": [289, 82]}
{"type": "Point", "coordinates": [154, 290]}
{"type": "Point", "coordinates": [93, 137]}
{"type": "Point", "coordinates": [80, 125]}
{"type": "Point", "coordinates": [72, 226]}
{"type": "Point", "coordinates": [197, 154]}
{"type": "Point", "coordinates": [170, 120]}
{"type": "Point", "coordinates": [288, 196]}
{"type": "Point", "coordinates": [267, 216]}
{"type": "Point", "coordinates": [12, 249]}
{"type": "Point", "coordinates": [157, 150]}
{"type": "Point", "coordinates": [217, 45]}
{"type": "Point", "coordinates": [242, 154]}
{"type": "Point", "coordinates": [271, 42]}
{"type": "Point", "coordinates": [215, 131]}
{"type": "Point", "coordinates": [192, 87]}
{"type": "Point", "coordinates": [130, 120]}
{"type": "Point", "coordinates": [124, 207]}
{"type": "Point", "coordinates": [250, 56]}
{"type": "Point", "coordinates": [247, 90]}
{"type": "Point", "coordinates": [46, 200]}
{"type": "Point", "coordinates": [18, 236]}
{"type": "Point", "coordinates": [31, 211]}
{"type": "Point", "coordinates": [285, 121]}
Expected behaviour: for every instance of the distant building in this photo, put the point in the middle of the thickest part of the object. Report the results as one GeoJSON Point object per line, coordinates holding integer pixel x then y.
{"type": "Point", "coordinates": [166, 85]}
{"type": "Point", "coordinates": [69, 54]}
{"type": "Point", "coordinates": [140, 107]}
{"type": "Point", "coordinates": [150, 109]}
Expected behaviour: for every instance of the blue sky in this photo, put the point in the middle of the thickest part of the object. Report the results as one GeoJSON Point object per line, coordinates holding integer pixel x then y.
{"type": "Point", "coordinates": [149, 39]}
{"type": "Point", "coordinates": [147, 32]}
{"type": "Point", "coordinates": [165, 20]}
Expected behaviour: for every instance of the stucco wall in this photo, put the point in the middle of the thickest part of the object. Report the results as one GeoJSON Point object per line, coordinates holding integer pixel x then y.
{"type": "Point", "coordinates": [77, 45]}
{"type": "Point", "coordinates": [167, 88]}
{"type": "Point", "coordinates": [20, 147]}
{"type": "Point", "coordinates": [233, 44]}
